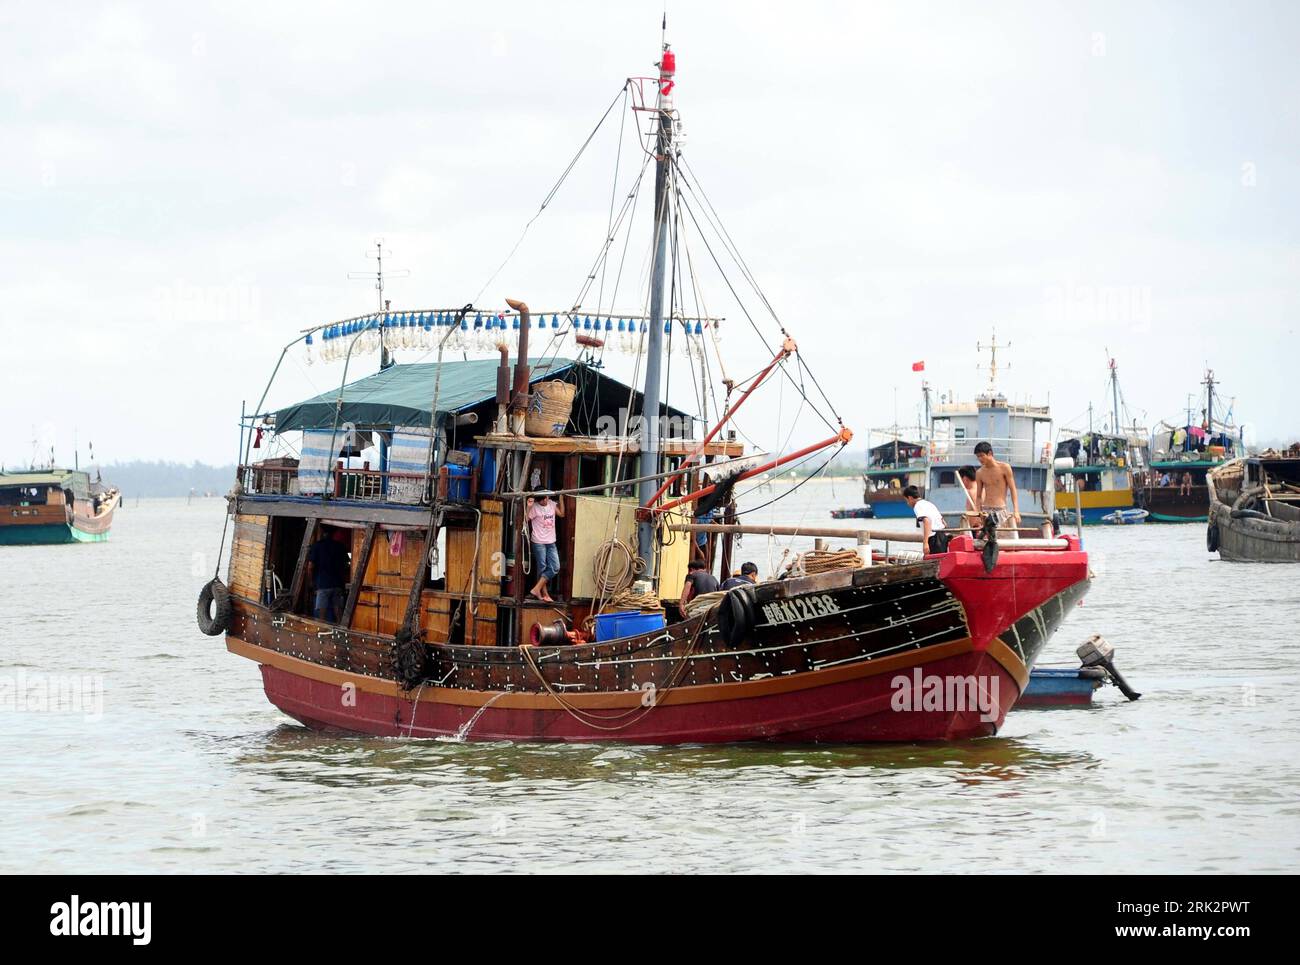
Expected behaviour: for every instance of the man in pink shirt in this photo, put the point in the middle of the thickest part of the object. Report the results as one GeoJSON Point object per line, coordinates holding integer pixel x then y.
{"type": "Point", "coordinates": [540, 511]}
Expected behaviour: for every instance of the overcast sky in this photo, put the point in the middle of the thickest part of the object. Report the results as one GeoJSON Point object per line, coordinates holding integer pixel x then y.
{"type": "Point", "coordinates": [184, 187]}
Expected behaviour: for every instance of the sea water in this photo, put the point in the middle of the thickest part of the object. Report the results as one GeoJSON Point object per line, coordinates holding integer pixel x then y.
{"type": "Point", "coordinates": [153, 749]}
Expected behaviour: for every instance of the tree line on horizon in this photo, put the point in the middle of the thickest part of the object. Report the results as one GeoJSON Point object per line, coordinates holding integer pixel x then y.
{"type": "Point", "coordinates": [150, 479]}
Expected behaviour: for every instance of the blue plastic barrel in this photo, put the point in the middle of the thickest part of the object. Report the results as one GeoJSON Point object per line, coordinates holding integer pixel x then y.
{"type": "Point", "coordinates": [626, 623]}
{"type": "Point", "coordinates": [458, 483]}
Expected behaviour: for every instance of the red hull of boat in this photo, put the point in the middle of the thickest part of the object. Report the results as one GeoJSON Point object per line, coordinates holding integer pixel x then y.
{"type": "Point", "coordinates": [847, 696]}
{"type": "Point", "coordinates": [857, 710]}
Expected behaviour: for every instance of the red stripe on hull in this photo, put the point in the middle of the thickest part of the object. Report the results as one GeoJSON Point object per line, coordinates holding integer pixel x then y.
{"type": "Point", "coordinates": [853, 711]}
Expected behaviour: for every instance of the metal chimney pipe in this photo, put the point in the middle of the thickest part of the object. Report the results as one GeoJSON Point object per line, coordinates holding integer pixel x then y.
{"type": "Point", "coordinates": [519, 401]}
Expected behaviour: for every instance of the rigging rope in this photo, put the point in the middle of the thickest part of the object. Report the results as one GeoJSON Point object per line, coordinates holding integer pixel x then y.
{"type": "Point", "coordinates": [550, 196]}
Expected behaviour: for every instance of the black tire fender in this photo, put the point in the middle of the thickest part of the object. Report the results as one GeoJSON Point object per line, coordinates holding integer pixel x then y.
{"type": "Point", "coordinates": [1212, 538]}
{"type": "Point", "coordinates": [736, 616]}
{"type": "Point", "coordinates": [1249, 514]}
{"type": "Point", "coordinates": [214, 608]}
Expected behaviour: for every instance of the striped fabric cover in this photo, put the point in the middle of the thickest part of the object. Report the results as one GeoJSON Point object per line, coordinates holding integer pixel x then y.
{"type": "Point", "coordinates": [409, 452]}
{"type": "Point", "coordinates": [317, 459]}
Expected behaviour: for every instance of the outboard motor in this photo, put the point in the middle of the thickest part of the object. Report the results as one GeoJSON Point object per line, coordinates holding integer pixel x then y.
{"type": "Point", "coordinates": [1096, 652]}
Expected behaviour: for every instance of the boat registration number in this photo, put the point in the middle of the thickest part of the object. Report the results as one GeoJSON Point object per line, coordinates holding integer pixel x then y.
{"type": "Point", "coordinates": [800, 608]}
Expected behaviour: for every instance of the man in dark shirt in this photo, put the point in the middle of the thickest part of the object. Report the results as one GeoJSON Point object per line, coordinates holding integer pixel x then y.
{"type": "Point", "coordinates": [748, 577]}
{"type": "Point", "coordinates": [327, 565]}
{"type": "Point", "coordinates": [698, 580]}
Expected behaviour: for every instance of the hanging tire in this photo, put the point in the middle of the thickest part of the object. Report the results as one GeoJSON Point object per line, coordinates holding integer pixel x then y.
{"type": "Point", "coordinates": [1249, 514]}
{"type": "Point", "coordinates": [214, 608]}
{"type": "Point", "coordinates": [1212, 537]}
{"type": "Point", "coordinates": [736, 616]}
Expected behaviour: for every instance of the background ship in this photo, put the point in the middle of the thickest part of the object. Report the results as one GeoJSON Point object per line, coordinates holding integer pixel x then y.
{"type": "Point", "coordinates": [1097, 466]}
{"type": "Point", "coordinates": [1174, 489]}
{"type": "Point", "coordinates": [55, 506]}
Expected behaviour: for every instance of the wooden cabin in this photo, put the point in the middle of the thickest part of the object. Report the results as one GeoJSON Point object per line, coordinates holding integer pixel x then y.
{"type": "Point", "coordinates": [473, 588]}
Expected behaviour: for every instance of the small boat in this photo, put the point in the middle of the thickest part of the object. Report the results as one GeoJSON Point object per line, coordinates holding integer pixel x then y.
{"type": "Point", "coordinates": [1255, 509]}
{"type": "Point", "coordinates": [43, 506]}
{"type": "Point", "coordinates": [1074, 686]}
{"type": "Point", "coordinates": [1062, 687]}
{"type": "Point", "coordinates": [1125, 517]}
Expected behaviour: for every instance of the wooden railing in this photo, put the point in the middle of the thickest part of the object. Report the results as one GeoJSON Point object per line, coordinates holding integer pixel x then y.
{"type": "Point", "coordinates": [359, 485]}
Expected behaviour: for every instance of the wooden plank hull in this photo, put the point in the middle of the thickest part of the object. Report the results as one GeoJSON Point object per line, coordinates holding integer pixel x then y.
{"type": "Point", "coordinates": [1248, 521]}
{"type": "Point", "coordinates": [846, 656]}
{"type": "Point", "coordinates": [1166, 505]}
{"type": "Point", "coordinates": [53, 524]}
{"type": "Point", "coordinates": [851, 711]}
{"type": "Point", "coordinates": [1254, 540]}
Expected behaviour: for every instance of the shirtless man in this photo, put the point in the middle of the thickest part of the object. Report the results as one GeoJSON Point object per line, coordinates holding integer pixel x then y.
{"type": "Point", "coordinates": [993, 481]}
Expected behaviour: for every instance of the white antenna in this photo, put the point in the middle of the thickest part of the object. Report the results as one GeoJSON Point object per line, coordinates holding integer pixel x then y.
{"type": "Point", "coordinates": [992, 349]}
{"type": "Point", "coordinates": [385, 359]}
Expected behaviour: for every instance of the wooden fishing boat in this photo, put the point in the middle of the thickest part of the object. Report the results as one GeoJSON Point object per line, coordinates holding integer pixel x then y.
{"type": "Point", "coordinates": [1096, 467]}
{"type": "Point", "coordinates": [892, 466]}
{"type": "Point", "coordinates": [438, 632]}
{"type": "Point", "coordinates": [1174, 488]}
{"type": "Point", "coordinates": [1255, 509]}
{"type": "Point", "coordinates": [55, 506]}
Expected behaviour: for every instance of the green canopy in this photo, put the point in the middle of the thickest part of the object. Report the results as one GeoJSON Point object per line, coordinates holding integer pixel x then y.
{"type": "Point", "coordinates": [76, 480]}
{"type": "Point", "coordinates": [402, 395]}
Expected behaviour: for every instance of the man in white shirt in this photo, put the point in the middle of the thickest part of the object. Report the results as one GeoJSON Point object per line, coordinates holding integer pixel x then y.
{"type": "Point", "coordinates": [929, 519]}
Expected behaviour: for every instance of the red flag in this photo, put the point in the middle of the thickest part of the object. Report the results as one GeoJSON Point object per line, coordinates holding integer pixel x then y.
{"type": "Point", "coordinates": [918, 366]}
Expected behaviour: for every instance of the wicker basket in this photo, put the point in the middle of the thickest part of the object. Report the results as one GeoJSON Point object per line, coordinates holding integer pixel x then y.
{"type": "Point", "coordinates": [549, 413]}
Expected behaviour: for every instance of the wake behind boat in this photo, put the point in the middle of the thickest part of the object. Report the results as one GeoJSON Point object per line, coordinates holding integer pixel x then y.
{"type": "Point", "coordinates": [422, 484]}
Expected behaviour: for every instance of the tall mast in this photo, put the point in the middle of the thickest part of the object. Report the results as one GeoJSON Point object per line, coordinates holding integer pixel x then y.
{"type": "Point", "coordinates": [1114, 398]}
{"type": "Point", "coordinates": [1209, 401]}
{"type": "Point", "coordinates": [654, 344]}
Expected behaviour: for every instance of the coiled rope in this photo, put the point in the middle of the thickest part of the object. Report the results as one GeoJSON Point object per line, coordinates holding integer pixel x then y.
{"type": "Point", "coordinates": [610, 579]}
{"type": "Point", "coordinates": [823, 561]}
{"type": "Point", "coordinates": [703, 602]}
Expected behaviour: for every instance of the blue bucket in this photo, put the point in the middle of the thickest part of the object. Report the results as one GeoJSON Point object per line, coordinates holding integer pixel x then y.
{"type": "Point", "coordinates": [626, 623]}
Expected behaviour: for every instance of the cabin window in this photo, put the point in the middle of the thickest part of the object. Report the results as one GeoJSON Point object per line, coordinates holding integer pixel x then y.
{"type": "Point", "coordinates": [959, 433]}
{"type": "Point", "coordinates": [948, 477]}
